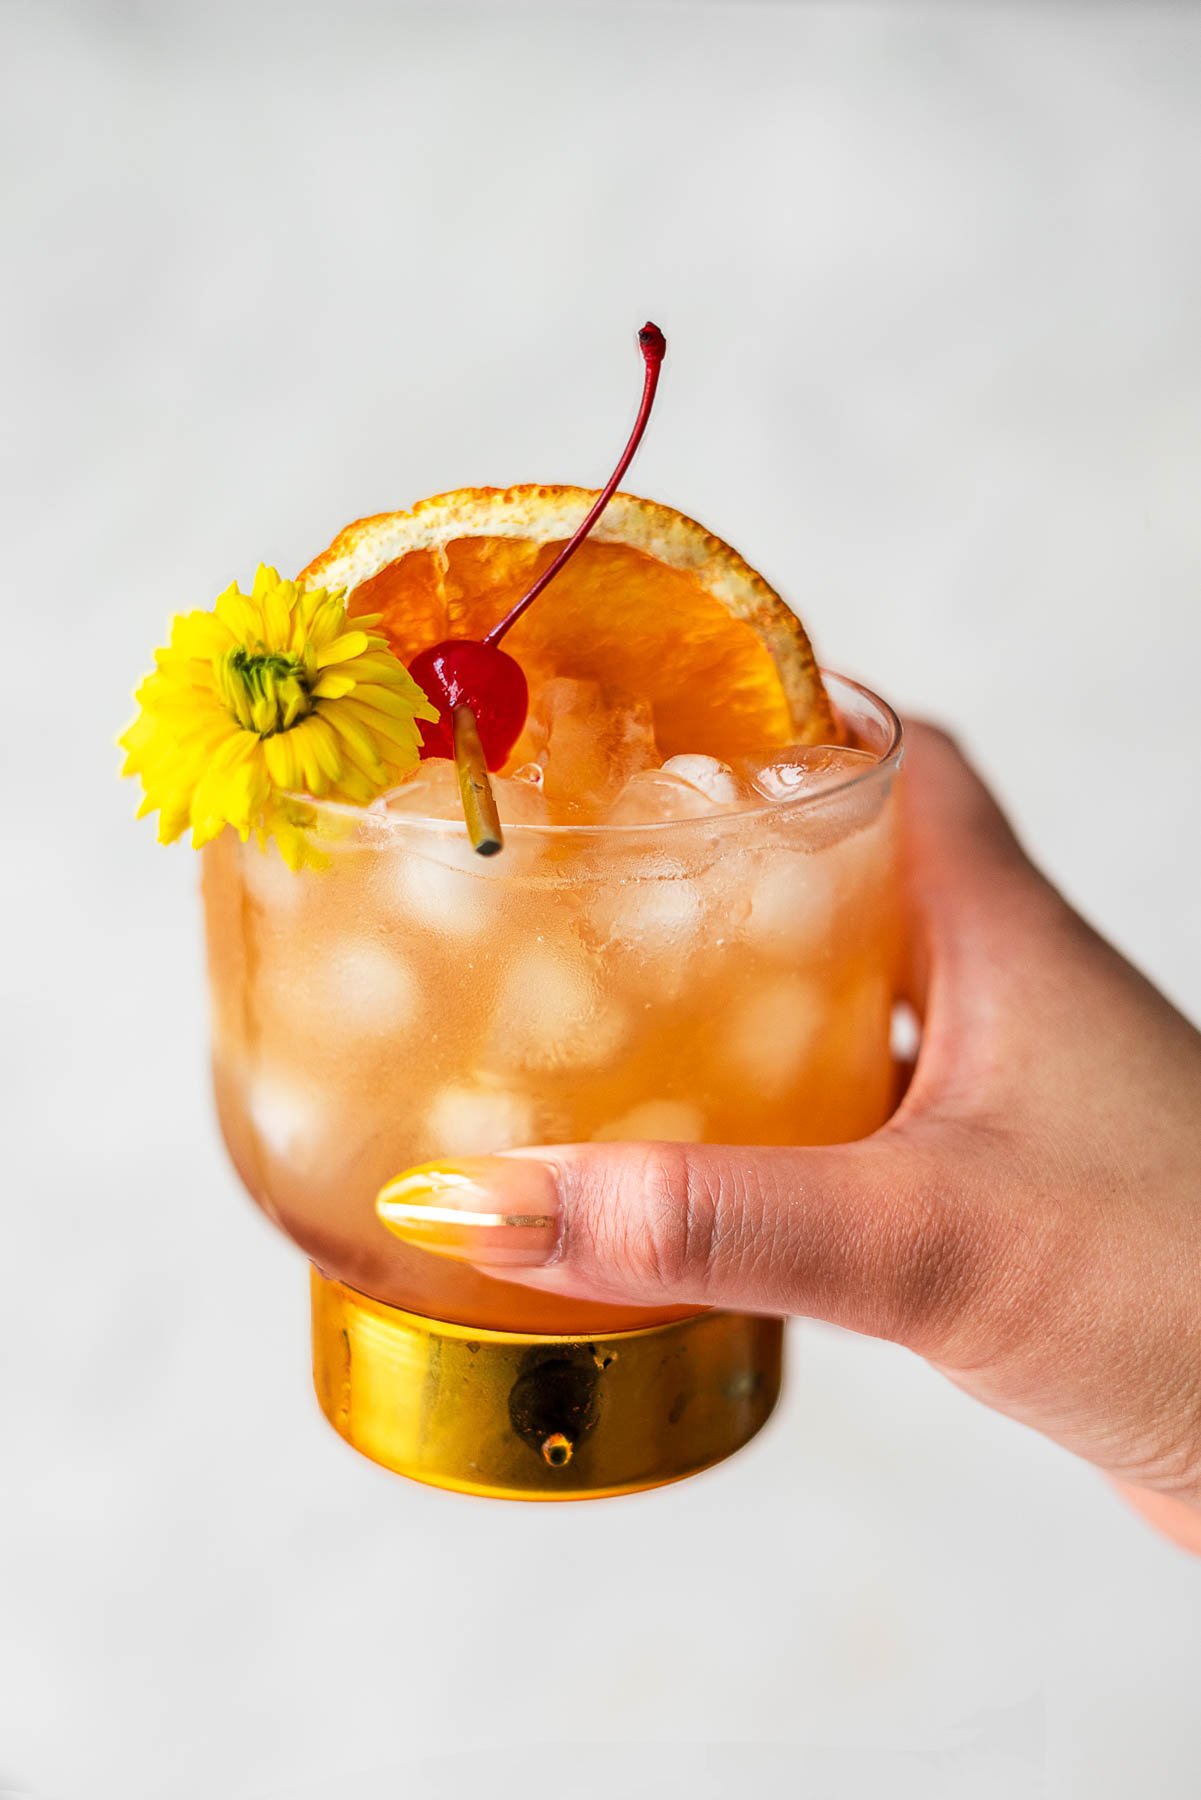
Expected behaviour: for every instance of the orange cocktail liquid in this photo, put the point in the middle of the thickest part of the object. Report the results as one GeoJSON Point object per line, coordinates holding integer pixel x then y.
{"type": "Point", "coordinates": [727, 979]}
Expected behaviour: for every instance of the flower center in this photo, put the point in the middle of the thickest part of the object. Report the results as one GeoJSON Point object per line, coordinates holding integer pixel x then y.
{"type": "Point", "coordinates": [265, 690]}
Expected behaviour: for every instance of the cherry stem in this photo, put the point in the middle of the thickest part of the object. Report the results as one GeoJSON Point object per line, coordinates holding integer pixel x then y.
{"type": "Point", "coordinates": [653, 345]}
{"type": "Point", "coordinates": [475, 788]}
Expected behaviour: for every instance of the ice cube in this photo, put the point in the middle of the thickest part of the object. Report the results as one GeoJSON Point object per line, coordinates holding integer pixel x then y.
{"type": "Point", "coordinates": [715, 779]}
{"type": "Point", "coordinates": [653, 915]}
{"type": "Point", "coordinates": [474, 1119]}
{"type": "Point", "coordinates": [771, 1033]}
{"type": "Point", "coordinates": [794, 900]}
{"type": "Point", "coordinates": [655, 1122]}
{"type": "Point", "coordinates": [806, 769]}
{"type": "Point", "coordinates": [364, 987]}
{"type": "Point", "coordinates": [430, 792]}
{"type": "Point", "coordinates": [520, 801]}
{"type": "Point", "coordinates": [439, 896]}
{"type": "Point", "coordinates": [551, 1014]}
{"type": "Point", "coordinates": [290, 1117]}
{"type": "Point", "coordinates": [655, 797]}
{"type": "Point", "coordinates": [318, 1001]}
{"type": "Point", "coordinates": [270, 882]}
{"type": "Point", "coordinates": [588, 739]}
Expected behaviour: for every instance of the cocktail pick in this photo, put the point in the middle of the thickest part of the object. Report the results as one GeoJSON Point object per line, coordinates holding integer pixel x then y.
{"type": "Point", "coordinates": [476, 678]}
{"type": "Point", "coordinates": [475, 789]}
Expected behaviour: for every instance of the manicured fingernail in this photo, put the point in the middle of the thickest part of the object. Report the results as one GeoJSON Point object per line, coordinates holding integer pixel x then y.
{"type": "Point", "coordinates": [496, 1211]}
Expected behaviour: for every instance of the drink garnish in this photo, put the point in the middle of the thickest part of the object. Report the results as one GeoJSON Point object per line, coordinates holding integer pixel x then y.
{"type": "Point", "coordinates": [476, 676]}
{"type": "Point", "coordinates": [475, 672]}
{"type": "Point", "coordinates": [653, 346]}
{"type": "Point", "coordinates": [652, 603]}
{"type": "Point", "coordinates": [475, 790]}
{"type": "Point", "coordinates": [336, 685]}
{"type": "Point", "coordinates": [270, 695]}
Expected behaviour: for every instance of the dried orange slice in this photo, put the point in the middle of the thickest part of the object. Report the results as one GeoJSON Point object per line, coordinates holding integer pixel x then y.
{"type": "Point", "coordinates": [651, 602]}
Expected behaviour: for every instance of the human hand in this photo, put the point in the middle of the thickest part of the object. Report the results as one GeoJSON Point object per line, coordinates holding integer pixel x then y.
{"type": "Point", "coordinates": [1029, 1220]}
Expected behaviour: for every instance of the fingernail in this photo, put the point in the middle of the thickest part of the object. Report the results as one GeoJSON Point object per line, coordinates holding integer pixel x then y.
{"type": "Point", "coordinates": [496, 1211]}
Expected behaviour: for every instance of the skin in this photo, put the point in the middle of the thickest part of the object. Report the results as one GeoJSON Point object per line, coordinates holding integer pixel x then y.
{"type": "Point", "coordinates": [1030, 1218]}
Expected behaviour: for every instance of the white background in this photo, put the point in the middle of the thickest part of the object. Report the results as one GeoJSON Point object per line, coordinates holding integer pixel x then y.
{"type": "Point", "coordinates": [932, 280]}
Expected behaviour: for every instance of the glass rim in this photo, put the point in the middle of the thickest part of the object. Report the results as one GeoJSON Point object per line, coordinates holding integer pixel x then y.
{"type": "Point", "coordinates": [383, 822]}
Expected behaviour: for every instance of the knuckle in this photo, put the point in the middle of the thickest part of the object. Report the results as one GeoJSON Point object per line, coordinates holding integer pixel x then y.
{"type": "Point", "coordinates": [952, 1270]}
{"type": "Point", "coordinates": [973, 1277]}
{"type": "Point", "coordinates": [666, 1231]}
{"type": "Point", "coordinates": [931, 1272]}
{"type": "Point", "coordinates": [680, 1220]}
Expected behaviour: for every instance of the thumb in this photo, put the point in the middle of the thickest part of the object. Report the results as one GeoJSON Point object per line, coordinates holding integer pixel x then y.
{"type": "Point", "coordinates": [875, 1236]}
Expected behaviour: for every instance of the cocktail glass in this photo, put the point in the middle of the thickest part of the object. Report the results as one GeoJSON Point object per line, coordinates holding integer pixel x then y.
{"type": "Point", "coordinates": [729, 978]}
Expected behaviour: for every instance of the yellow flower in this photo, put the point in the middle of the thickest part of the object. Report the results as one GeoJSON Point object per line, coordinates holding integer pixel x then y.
{"type": "Point", "coordinates": [272, 693]}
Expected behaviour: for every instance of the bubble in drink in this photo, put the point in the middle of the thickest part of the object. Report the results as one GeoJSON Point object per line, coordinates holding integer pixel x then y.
{"type": "Point", "coordinates": [806, 769]}
{"type": "Point", "coordinates": [550, 1014]}
{"type": "Point", "coordinates": [655, 1122]}
{"type": "Point", "coordinates": [714, 779]}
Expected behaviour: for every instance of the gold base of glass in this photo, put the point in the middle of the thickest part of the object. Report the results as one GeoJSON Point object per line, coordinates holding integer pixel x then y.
{"type": "Point", "coordinates": [519, 1417]}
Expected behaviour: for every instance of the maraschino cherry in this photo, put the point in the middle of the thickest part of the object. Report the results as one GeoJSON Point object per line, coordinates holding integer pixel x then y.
{"type": "Point", "coordinates": [476, 674]}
